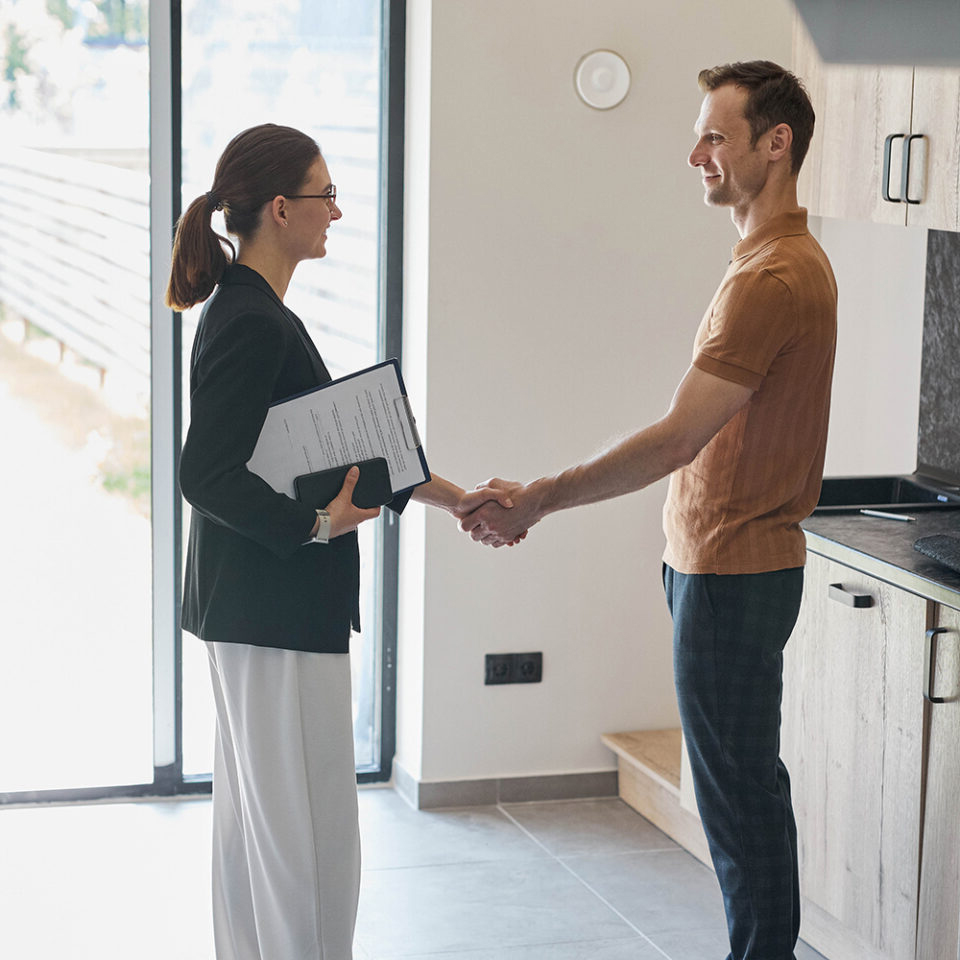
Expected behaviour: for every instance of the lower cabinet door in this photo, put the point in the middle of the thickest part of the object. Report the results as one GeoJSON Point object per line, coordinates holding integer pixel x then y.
{"type": "Point", "coordinates": [939, 921]}
{"type": "Point", "coordinates": [853, 713]}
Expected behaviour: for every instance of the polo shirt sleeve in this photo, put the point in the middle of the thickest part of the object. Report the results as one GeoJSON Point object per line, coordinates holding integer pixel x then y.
{"type": "Point", "coordinates": [752, 320]}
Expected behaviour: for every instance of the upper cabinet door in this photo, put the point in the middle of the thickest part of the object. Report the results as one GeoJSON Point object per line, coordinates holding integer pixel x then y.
{"type": "Point", "coordinates": [935, 159]}
{"type": "Point", "coordinates": [858, 108]}
{"type": "Point", "coordinates": [807, 66]}
{"type": "Point", "coordinates": [862, 106]}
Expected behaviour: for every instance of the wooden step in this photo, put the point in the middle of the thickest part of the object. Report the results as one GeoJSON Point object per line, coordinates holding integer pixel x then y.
{"type": "Point", "coordinates": [649, 763]}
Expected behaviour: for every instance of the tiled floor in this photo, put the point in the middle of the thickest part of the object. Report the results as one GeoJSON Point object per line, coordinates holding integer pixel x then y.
{"type": "Point", "coordinates": [577, 880]}
{"type": "Point", "coordinates": [573, 880]}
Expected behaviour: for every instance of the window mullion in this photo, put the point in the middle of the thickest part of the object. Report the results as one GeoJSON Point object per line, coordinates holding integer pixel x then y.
{"type": "Point", "coordinates": [165, 387]}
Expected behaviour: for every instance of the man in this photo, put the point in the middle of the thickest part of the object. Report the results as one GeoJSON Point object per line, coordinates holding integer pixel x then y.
{"type": "Point", "coordinates": [744, 442]}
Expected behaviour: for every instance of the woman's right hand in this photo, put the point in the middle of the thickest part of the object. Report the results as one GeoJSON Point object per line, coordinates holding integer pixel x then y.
{"type": "Point", "coordinates": [344, 514]}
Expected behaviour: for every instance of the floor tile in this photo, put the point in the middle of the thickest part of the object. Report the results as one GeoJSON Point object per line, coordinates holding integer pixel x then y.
{"type": "Point", "coordinates": [393, 834]}
{"type": "Point", "coordinates": [474, 906]}
{"type": "Point", "coordinates": [657, 892]}
{"type": "Point", "coordinates": [636, 948]}
{"type": "Point", "coordinates": [588, 827]}
{"type": "Point", "coordinates": [88, 882]}
{"type": "Point", "coordinates": [359, 953]}
{"type": "Point", "coordinates": [805, 952]}
{"type": "Point", "coordinates": [711, 944]}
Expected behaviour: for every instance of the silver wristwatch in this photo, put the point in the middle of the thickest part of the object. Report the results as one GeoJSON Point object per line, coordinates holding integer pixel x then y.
{"type": "Point", "coordinates": [323, 527]}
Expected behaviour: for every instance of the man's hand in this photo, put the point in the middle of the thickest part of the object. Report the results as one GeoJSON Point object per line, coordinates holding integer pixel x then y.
{"type": "Point", "coordinates": [496, 526]}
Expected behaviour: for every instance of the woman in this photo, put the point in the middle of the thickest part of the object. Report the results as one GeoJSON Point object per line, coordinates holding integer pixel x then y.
{"type": "Point", "coordinates": [274, 604]}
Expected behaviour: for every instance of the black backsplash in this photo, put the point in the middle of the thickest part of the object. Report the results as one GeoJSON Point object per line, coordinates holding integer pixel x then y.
{"type": "Point", "coordinates": [938, 440]}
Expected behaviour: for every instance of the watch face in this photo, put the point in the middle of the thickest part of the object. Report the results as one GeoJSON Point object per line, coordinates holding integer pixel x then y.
{"type": "Point", "coordinates": [323, 526]}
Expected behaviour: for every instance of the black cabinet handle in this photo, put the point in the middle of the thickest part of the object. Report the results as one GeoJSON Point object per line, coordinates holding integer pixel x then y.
{"type": "Point", "coordinates": [930, 664]}
{"type": "Point", "coordinates": [905, 168]}
{"type": "Point", "coordinates": [841, 595]}
{"type": "Point", "coordinates": [885, 179]}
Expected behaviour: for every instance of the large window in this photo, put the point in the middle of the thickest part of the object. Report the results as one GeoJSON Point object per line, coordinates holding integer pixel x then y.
{"type": "Point", "coordinates": [314, 65]}
{"type": "Point", "coordinates": [75, 683]}
{"type": "Point", "coordinates": [108, 124]}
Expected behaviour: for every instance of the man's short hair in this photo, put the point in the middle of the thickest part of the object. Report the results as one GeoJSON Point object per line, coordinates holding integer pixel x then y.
{"type": "Point", "coordinates": [774, 95]}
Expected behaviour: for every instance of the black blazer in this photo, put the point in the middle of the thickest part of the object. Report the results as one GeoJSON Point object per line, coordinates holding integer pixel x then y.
{"type": "Point", "coordinates": [249, 575]}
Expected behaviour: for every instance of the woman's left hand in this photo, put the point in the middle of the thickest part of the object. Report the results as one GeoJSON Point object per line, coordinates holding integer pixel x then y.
{"type": "Point", "coordinates": [345, 516]}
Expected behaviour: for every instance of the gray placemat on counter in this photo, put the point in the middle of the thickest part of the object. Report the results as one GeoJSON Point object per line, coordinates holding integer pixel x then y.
{"type": "Point", "coordinates": [940, 547]}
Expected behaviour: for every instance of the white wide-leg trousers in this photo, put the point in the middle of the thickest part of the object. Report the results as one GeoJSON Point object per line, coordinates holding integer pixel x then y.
{"type": "Point", "coordinates": [286, 842]}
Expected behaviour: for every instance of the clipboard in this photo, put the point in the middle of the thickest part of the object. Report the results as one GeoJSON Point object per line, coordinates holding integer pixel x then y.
{"type": "Point", "coordinates": [360, 416]}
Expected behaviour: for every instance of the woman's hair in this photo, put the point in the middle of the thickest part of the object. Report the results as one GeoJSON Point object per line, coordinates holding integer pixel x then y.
{"type": "Point", "coordinates": [257, 165]}
{"type": "Point", "coordinates": [774, 95]}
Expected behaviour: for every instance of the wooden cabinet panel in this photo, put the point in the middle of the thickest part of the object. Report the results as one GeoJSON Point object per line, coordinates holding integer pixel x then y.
{"type": "Point", "coordinates": [939, 921]}
{"type": "Point", "coordinates": [807, 66]}
{"type": "Point", "coordinates": [857, 108]}
{"type": "Point", "coordinates": [861, 106]}
{"type": "Point", "coordinates": [936, 115]}
{"type": "Point", "coordinates": [853, 742]}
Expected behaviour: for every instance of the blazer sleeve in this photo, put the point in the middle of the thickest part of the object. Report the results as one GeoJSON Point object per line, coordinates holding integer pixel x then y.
{"type": "Point", "coordinates": [236, 368]}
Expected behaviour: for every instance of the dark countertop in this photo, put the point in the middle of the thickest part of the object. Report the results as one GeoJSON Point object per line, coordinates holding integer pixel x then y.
{"type": "Point", "coordinates": [884, 548]}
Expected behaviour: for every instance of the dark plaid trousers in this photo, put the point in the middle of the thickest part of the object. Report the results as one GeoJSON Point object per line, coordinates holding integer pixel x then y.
{"type": "Point", "coordinates": [728, 638]}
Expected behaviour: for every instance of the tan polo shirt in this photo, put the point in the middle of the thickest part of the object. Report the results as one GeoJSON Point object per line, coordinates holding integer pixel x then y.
{"type": "Point", "coordinates": [771, 326]}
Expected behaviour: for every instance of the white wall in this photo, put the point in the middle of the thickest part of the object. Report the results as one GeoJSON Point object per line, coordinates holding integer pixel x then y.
{"type": "Point", "coordinates": [558, 260]}
{"type": "Point", "coordinates": [876, 383]}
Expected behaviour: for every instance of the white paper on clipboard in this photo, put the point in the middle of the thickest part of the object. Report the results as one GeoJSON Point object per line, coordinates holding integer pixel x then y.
{"type": "Point", "coordinates": [363, 415]}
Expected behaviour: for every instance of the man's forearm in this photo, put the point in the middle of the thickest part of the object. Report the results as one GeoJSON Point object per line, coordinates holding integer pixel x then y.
{"type": "Point", "coordinates": [701, 406]}
{"type": "Point", "coordinates": [630, 464]}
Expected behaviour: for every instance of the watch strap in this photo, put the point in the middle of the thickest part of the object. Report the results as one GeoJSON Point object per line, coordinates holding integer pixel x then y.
{"type": "Point", "coordinates": [323, 527]}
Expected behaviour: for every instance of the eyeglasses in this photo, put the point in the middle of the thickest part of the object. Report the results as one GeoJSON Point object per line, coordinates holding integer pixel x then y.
{"type": "Point", "coordinates": [330, 195]}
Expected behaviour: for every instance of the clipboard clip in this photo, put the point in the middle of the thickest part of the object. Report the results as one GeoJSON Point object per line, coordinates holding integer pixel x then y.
{"type": "Point", "coordinates": [408, 422]}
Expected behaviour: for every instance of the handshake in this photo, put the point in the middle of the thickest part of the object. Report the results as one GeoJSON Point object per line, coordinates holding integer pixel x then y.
{"type": "Point", "coordinates": [498, 513]}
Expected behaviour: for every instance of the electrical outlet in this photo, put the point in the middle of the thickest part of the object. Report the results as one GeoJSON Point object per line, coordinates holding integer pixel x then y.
{"type": "Point", "coordinates": [499, 668]}
{"type": "Point", "coordinates": [528, 667]}
{"type": "Point", "coordinates": [513, 668]}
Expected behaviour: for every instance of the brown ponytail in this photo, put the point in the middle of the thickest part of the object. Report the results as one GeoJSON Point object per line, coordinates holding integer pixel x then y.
{"type": "Point", "coordinates": [257, 165]}
{"type": "Point", "coordinates": [198, 257]}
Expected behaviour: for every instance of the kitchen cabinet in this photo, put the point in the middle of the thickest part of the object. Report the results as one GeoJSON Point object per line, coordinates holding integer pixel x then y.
{"type": "Point", "coordinates": [939, 918]}
{"type": "Point", "coordinates": [806, 64]}
{"type": "Point", "coordinates": [870, 119]}
{"type": "Point", "coordinates": [871, 737]}
{"type": "Point", "coordinates": [852, 739]}
{"type": "Point", "coordinates": [936, 108]}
